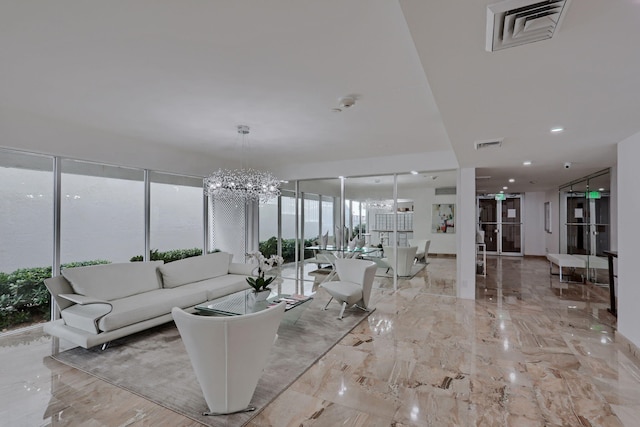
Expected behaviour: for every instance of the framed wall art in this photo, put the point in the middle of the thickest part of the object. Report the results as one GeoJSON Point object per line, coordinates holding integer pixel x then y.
{"type": "Point", "coordinates": [443, 218]}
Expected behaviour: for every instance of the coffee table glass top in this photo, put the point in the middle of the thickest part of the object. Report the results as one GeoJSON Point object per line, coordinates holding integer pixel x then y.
{"type": "Point", "coordinates": [242, 302]}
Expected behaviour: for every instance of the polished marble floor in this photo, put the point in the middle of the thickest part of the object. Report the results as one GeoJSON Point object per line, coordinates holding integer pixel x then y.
{"type": "Point", "coordinates": [528, 352]}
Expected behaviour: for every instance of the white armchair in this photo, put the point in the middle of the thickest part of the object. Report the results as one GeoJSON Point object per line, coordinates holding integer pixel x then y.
{"type": "Point", "coordinates": [354, 287]}
{"type": "Point", "coordinates": [228, 354]}
{"type": "Point", "coordinates": [406, 256]}
{"type": "Point", "coordinates": [423, 248]}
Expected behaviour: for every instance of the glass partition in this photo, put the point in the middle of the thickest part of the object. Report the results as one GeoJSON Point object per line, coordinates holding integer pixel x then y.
{"type": "Point", "coordinates": [585, 224]}
{"type": "Point", "coordinates": [322, 218]}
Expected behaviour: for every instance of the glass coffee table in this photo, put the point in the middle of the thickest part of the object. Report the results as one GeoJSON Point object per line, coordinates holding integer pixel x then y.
{"type": "Point", "coordinates": [242, 302]}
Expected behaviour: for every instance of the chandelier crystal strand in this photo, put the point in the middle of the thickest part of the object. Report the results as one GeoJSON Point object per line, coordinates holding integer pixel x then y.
{"type": "Point", "coordinates": [242, 185]}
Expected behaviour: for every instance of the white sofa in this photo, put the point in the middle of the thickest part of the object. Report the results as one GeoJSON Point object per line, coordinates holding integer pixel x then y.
{"type": "Point", "coordinates": [100, 303]}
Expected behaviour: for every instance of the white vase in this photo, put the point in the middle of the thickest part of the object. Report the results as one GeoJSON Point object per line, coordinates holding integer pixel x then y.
{"type": "Point", "coordinates": [262, 295]}
{"type": "Point", "coordinates": [257, 299]}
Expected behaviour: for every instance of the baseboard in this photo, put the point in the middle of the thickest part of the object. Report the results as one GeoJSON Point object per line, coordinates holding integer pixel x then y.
{"type": "Point", "coordinates": [627, 347]}
{"type": "Point", "coordinates": [431, 255]}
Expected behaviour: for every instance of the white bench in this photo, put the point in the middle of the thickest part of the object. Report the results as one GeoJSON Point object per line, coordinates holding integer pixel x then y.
{"type": "Point", "coordinates": [576, 261]}
{"type": "Point", "coordinates": [565, 260]}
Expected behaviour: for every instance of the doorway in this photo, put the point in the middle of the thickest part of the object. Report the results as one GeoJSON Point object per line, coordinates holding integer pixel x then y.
{"type": "Point", "coordinates": [501, 220]}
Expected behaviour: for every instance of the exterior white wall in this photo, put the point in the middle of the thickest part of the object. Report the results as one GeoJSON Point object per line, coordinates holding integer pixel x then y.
{"type": "Point", "coordinates": [533, 223]}
{"type": "Point", "coordinates": [466, 234]}
{"type": "Point", "coordinates": [27, 237]}
{"type": "Point", "coordinates": [628, 238]}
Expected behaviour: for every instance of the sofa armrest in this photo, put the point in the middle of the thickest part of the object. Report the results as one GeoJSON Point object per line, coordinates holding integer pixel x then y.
{"type": "Point", "coordinates": [83, 299]}
{"type": "Point", "coordinates": [242, 268]}
{"type": "Point", "coordinates": [85, 313]}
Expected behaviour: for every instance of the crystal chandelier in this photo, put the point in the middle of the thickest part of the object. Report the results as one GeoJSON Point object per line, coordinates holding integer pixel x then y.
{"type": "Point", "coordinates": [242, 185]}
{"type": "Point", "coordinates": [379, 204]}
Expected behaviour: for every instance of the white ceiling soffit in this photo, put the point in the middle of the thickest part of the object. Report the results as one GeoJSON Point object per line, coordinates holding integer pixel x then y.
{"type": "Point", "coordinates": [517, 22]}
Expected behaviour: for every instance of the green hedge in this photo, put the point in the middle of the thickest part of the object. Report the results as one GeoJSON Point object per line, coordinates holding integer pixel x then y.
{"type": "Point", "coordinates": [23, 296]}
{"type": "Point", "coordinates": [270, 247]}
{"type": "Point", "coordinates": [169, 256]}
{"type": "Point", "coordinates": [173, 255]}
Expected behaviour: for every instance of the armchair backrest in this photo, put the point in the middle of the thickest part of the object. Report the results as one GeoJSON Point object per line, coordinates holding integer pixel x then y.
{"type": "Point", "coordinates": [423, 247]}
{"type": "Point", "coordinates": [228, 354]}
{"type": "Point", "coordinates": [406, 256]}
{"type": "Point", "coordinates": [358, 271]}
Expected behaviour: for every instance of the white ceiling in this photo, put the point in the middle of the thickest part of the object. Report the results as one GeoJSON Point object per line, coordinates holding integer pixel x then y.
{"type": "Point", "coordinates": [163, 85]}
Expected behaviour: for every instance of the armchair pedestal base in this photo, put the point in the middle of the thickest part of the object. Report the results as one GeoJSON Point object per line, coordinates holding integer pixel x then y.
{"type": "Point", "coordinates": [213, 414]}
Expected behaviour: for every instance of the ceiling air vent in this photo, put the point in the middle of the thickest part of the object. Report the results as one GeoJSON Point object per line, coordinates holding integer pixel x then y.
{"type": "Point", "coordinates": [445, 191]}
{"type": "Point", "coordinates": [517, 22]}
{"type": "Point", "coordinates": [488, 143]}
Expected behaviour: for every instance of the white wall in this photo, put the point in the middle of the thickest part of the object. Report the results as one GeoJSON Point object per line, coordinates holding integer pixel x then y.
{"type": "Point", "coordinates": [533, 223]}
{"type": "Point", "coordinates": [423, 200]}
{"type": "Point", "coordinates": [628, 239]}
{"type": "Point", "coordinates": [466, 234]}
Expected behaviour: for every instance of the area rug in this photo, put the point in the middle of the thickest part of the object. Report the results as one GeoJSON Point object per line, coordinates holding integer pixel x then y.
{"type": "Point", "coordinates": [154, 364]}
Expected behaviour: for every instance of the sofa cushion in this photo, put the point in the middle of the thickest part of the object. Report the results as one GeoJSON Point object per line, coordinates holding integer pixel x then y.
{"type": "Point", "coordinates": [114, 281]}
{"type": "Point", "coordinates": [194, 269]}
{"type": "Point", "coordinates": [220, 286]}
{"type": "Point", "coordinates": [136, 308]}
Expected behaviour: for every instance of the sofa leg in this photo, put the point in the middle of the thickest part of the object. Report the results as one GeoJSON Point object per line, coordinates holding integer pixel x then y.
{"type": "Point", "coordinates": [105, 345]}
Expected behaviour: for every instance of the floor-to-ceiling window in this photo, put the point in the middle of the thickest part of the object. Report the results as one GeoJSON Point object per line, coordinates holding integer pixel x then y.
{"type": "Point", "coordinates": [102, 212]}
{"type": "Point", "coordinates": [102, 219]}
{"type": "Point", "coordinates": [26, 233]}
{"type": "Point", "coordinates": [176, 213]}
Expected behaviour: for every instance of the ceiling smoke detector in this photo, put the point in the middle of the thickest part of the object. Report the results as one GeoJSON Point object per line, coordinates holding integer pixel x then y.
{"type": "Point", "coordinates": [346, 102]}
{"type": "Point", "coordinates": [517, 22]}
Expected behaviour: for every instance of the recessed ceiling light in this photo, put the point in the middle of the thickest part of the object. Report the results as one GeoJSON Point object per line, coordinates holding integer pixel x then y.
{"type": "Point", "coordinates": [512, 180]}
{"type": "Point", "coordinates": [527, 163]}
{"type": "Point", "coordinates": [501, 191]}
{"type": "Point", "coordinates": [414, 172]}
{"type": "Point", "coordinates": [600, 189]}
{"type": "Point", "coordinates": [505, 188]}
{"type": "Point", "coordinates": [557, 129]}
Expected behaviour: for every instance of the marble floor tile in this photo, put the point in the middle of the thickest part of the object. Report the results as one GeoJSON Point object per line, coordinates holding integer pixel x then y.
{"type": "Point", "coordinates": [529, 351]}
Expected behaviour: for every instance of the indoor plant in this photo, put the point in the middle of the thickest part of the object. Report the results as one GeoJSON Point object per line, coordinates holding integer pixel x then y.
{"type": "Point", "coordinates": [260, 283]}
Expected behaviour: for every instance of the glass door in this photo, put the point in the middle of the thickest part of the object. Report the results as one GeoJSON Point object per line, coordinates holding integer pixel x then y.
{"type": "Point", "coordinates": [585, 211]}
{"type": "Point", "coordinates": [501, 221]}
{"type": "Point", "coordinates": [511, 226]}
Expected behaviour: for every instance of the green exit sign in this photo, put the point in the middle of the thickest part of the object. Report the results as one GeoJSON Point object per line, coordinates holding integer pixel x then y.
{"type": "Point", "coordinates": [501, 197]}
{"type": "Point", "coordinates": [594, 195]}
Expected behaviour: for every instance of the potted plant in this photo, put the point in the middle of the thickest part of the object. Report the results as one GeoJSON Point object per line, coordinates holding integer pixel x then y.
{"type": "Point", "coordinates": [260, 283]}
